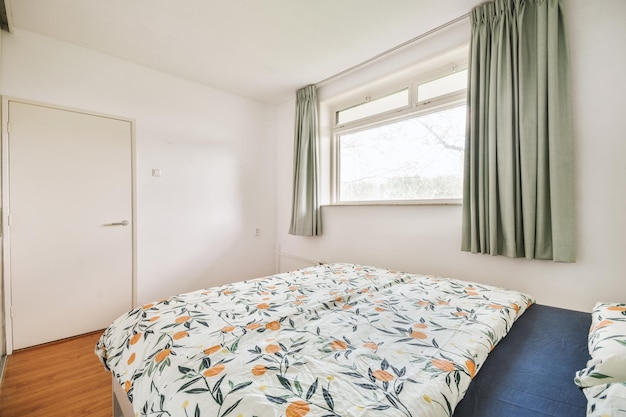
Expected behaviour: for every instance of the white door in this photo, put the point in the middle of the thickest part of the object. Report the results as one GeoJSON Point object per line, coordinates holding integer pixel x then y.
{"type": "Point", "coordinates": [70, 208]}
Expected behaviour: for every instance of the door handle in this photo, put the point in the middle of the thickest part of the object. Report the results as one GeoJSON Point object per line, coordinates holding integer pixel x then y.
{"type": "Point", "coordinates": [122, 223]}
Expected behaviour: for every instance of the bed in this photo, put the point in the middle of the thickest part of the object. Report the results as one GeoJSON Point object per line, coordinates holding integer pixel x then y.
{"type": "Point", "coordinates": [347, 340]}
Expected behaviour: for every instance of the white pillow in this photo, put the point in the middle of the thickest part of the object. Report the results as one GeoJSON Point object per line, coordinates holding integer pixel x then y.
{"type": "Point", "coordinates": [607, 346]}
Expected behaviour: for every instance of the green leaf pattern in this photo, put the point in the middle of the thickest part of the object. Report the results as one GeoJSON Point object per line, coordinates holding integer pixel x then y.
{"type": "Point", "coordinates": [332, 340]}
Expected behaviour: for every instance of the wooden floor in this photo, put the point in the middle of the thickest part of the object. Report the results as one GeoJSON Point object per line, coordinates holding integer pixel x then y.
{"type": "Point", "coordinates": [59, 379]}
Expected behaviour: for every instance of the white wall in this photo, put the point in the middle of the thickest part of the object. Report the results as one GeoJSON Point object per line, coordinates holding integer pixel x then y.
{"type": "Point", "coordinates": [426, 239]}
{"type": "Point", "coordinates": [215, 150]}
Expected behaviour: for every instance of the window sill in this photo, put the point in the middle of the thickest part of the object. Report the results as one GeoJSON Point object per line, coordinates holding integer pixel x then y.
{"type": "Point", "coordinates": [441, 202]}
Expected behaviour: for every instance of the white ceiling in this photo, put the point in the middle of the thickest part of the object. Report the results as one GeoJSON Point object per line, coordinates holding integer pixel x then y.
{"type": "Point", "coordinates": [263, 49]}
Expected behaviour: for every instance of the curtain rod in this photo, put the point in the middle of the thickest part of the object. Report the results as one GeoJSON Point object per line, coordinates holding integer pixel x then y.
{"type": "Point", "coordinates": [389, 51]}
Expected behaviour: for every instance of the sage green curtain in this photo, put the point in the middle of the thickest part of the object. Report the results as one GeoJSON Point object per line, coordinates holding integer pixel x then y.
{"type": "Point", "coordinates": [305, 212]}
{"type": "Point", "coordinates": [519, 164]}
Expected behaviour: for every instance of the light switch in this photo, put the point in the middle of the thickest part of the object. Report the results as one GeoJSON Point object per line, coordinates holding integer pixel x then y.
{"type": "Point", "coordinates": [156, 172]}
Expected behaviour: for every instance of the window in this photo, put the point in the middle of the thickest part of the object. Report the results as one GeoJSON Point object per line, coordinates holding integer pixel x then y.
{"type": "Point", "coordinates": [455, 82]}
{"type": "Point", "coordinates": [391, 150]}
{"type": "Point", "coordinates": [391, 102]}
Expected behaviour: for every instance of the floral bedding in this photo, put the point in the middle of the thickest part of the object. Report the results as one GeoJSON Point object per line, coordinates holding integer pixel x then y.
{"type": "Point", "coordinates": [332, 340]}
{"type": "Point", "coordinates": [607, 346]}
{"type": "Point", "coordinates": [603, 380]}
{"type": "Point", "coordinates": [606, 400]}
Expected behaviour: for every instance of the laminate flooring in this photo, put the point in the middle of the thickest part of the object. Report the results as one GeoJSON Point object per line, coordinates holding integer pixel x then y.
{"type": "Point", "coordinates": [63, 378]}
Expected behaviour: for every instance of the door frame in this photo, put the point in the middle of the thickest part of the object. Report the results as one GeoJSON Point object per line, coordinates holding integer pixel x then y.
{"type": "Point", "coordinates": [5, 206]}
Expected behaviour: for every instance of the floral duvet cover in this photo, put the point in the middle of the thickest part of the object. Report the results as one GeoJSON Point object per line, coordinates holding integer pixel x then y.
{"type": "Point", "coordinates": [332, 340]}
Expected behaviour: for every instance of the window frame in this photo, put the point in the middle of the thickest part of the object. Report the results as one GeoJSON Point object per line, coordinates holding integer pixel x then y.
{"type": "Point", "coordinates": [414, 109]}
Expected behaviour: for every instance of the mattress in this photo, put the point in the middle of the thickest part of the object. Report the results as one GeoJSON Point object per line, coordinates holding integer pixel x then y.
{"type": "Point", "coordinates": [332, 340]}
{"type": "Point", "coordinates": [531, 372]}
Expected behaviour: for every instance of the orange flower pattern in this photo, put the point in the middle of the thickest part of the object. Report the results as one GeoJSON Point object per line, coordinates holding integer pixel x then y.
{"type": "Point", "coordinates": [315, 342]}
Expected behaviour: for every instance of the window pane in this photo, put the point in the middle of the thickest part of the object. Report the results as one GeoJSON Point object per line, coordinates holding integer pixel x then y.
{"type": "Point", "coordinates": [450, 83]}
{"type": "Point", "coordinates": [381, 105]}
{"type": "Point", "coordinates": [415, 159]}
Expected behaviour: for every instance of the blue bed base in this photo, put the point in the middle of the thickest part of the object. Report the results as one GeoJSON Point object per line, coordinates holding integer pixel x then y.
{"type": "Point", "coordinates": [531, 371]}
